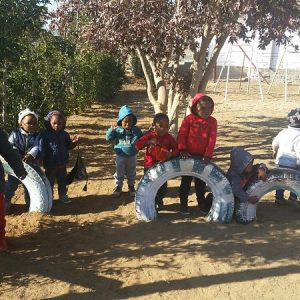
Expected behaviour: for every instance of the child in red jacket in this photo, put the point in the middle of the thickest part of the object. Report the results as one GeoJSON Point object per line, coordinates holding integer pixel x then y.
{"type": "Point", "coordinates": [197, 137]}
{"type": "Point", "coordinates": [160, 146]}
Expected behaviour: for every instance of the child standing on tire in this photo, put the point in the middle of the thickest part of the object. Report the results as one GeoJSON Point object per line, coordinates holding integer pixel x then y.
{"type": "Point", "coordinates": [197, 137]}
{"type": "Point", "coordinates": [160, 146]}
{"type": "Point", "coordinates": [55, 144]}
{"type": "Point", "coordinates": [13, 159]}
{"type": "Point", "coordinates": [286, 150]}
{"type": "Point", "coordinates": [124, 136]}
{"type": "Point", "coordinates": [240, 173]}
{"type": "Point", "coordinates": [25, 141]}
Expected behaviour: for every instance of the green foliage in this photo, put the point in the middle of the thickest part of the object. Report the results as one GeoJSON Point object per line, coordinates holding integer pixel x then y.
{"type": "Point", "coordinates": [136, 66]}
{"type": "Point", "coordinates": [109, 75]}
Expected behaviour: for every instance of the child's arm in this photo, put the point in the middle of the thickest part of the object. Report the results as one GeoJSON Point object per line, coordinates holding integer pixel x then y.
{"type": "Point", "coordinates": [211, 141]}
{"type": "Point", "coordinates": [182, 137]}
{"type": "Point", "coordinates": [33, 152]}
{"type": "Point", "coordinates": [275, 145]}
{"type": "Point", "coordinates": [145, 140]}
{"type": "Point", "coordinates": [111, 133]}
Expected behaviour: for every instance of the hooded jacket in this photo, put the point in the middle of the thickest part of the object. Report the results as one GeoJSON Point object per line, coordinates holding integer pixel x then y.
{"type": "Point", "coordinates": [239, 160]}
{"type": "Point", "coordinates": [12, 158]}
{"type": "Point", "coordinates": [54, 146]}
{"type": "Point", "coordinates": [124, 138]}
{"type": "Point", "coordinates": [197, 135]}
{"type": "Point", "coordinates": [287, 146]}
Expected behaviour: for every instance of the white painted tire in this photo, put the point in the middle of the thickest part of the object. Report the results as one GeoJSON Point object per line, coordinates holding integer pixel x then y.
{"type": "Point", "coordinates": [279, 178]}
{"type": "Point", "coordinates": [37, 185]}
{"type": "Point", "coordinates": [223, 203]}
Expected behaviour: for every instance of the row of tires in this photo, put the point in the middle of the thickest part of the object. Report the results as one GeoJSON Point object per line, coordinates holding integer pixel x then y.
{"type": "Point", "coordinates": [223, 205]}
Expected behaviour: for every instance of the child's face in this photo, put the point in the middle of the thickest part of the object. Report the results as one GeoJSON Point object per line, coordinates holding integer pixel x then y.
{"type": "Point", "coordinates": [29, 123]}
{"type": "Point", "coordinates": [127, 122]}
{"type": "Point", "coordinates": [203, 109]}
{"type": "Point", "coordinates": [249, 168]}
{"type": "Point", "coordinates": [56, 123]}
{"type": "Point", "coordinates": [161, 127]}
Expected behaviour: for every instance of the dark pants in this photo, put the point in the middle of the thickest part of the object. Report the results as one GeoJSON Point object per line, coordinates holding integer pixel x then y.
{"type": "Point", "coordinates": [60, 174]}
{"type": "Point", "coordinates": [10, 188]}
{"type": "Point", "coordinates": [161, 193]}
{"type": "Point", "coordinates": [185, 187]}
{"type": "Point", "coordinates": [2, 217]}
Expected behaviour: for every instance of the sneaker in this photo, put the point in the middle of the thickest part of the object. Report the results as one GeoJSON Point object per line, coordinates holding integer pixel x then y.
{"type": "Point", "coordinates": [159, 206]}
{"type": "Point", "coordinates": [131, 190]}
{"type": "Point", "coordinates": [280, 201]}
{"type": "Point", "coordinates": [117, 191]}
{"type": "Point", "coordinates": [3, 245]}
{"type": "Point", "coordinates": [65, 199]}
{"type": "Point", "coordinates": [204, 210]}
{"type": "Point", "coordinates": [293, 202]}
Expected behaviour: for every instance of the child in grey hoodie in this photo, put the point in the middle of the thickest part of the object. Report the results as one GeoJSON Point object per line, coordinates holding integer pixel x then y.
{"type": "Point", "coordinates": [240, 173]}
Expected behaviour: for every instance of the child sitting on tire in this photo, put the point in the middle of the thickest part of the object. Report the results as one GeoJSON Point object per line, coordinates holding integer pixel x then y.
{"type": "Point", "coordinates": [197, 137]}
{"type": "Point", "coordinates": [286, 150]}
{"type": "Point", "coordinates": [240, 173]}
{"type": "Point", "coordinates": [160, 146]}
{"type": "Point", "coordinates": [25, 141]}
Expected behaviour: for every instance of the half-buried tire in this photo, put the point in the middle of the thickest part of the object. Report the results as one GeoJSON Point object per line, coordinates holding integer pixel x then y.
{"type": "Point", "coordinates": [37, 185]}
{"type": "Point", "coordinates": [223, 201]}
{"type": "Point", "coordinates": [279, 178]}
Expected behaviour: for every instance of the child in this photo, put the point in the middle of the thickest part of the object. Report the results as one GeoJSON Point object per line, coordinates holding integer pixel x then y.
{"type": "Point", "coordinates": [160, 146]}
{"type": "Point", "coordinates": [286, 149]}
{"type": "Point", "coordinates": [55, 144]}
{"type": "Point", "coordinates": [197, 136]}
{"type": "Point", "coordinates": [124, 135]}
{"type": "Point", "coordinates": [15, 162]}
{"type": "Point", "coordinates": [24, 140]}
{"type": "Point", "coordinates": [241, 171]}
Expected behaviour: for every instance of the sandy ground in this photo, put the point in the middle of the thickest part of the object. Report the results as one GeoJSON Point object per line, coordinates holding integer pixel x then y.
{"type": "Point", "coordinates": [95, 248]}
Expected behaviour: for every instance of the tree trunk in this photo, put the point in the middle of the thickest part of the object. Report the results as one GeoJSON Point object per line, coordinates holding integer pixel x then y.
{"type": "Point", "coordinates": [209, 68]}
{"type": "Point", "coordinates": [4, 93]}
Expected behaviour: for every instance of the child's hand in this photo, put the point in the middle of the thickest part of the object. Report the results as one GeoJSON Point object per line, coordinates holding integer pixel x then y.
{"type": "Point", "coordinates": [75, 139]}
{"type": "Point", "coordinates": [184, 154]}
{"type": "Point", "coordinates": [206, 160]}
{"type": "Point", "coordinates": [28, 158]}
{"type": "Point", "coordinates": [151, 142]}
{"type": "Point", "coordinates": [169, 155]}
{"type": "Point", "coordinates": [274, 154]}
{"type": "Point", "coordinates": [253, 199]}
{"type": "Point", "coordinates": [113, 127]}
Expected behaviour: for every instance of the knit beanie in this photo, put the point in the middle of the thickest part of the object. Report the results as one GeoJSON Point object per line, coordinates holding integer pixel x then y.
{"type": "Point", "coordinates": [22, 114]}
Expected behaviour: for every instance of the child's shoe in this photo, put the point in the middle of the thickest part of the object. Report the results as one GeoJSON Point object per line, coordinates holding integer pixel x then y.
{"type": "Point", "coordinates": [117, 191]}
{"type": "Point", "coordinates": [293, 202]}
{"type": "Point", "coordinates": [3, 245]}
{"type": "Point", "coordinates": [131, 190]}
{"type": "Point", "coordinates": [184, 209]}
{"type": "Point", "coordinates": [280, 201]}
{"type": "Point", "coordinates": [65, 199]}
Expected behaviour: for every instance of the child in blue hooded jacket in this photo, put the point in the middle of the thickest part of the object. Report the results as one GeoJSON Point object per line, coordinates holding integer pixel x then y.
{"type": "Point", "coordinates": [124, 136]}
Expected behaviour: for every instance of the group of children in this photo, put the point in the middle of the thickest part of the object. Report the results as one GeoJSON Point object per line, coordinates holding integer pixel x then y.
{"type": "Point", "coordinates": [49, 148]}
{"type": "Point", "coordinates": [196, 137]}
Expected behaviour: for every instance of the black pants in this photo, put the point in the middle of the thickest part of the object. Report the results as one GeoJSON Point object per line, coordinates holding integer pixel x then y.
{"type": "Point", "coordinates": [185, 187]}
{"type": "Point", "coordinates": [60, 174]}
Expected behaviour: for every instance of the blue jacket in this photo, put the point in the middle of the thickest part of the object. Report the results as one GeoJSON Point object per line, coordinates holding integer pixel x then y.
{"type": "Point", "coordinates": [54, 148]}
{"type": "Point", "coordinates": [24, 143]}
{"type": "Point", "coordinates": [124, 140]}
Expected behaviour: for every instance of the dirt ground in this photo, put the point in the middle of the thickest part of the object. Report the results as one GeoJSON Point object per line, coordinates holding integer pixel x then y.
{"type": "Point", "coordinates": [95, 248]}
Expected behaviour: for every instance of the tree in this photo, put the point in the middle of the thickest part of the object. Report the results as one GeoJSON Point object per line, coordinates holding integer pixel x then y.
{"type": "Point", "coordinates": [160, 31]}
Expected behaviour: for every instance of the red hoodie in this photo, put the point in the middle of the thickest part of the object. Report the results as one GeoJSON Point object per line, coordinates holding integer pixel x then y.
{"type": "Point", "coordinates": [166, 141]}
{"type": "Point", "coordinates": [197, 135]}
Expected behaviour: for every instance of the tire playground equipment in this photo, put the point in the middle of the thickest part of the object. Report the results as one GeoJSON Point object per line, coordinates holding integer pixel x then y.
{"type": "Point", "coordinates": [279, 178]}
{"type": "Point", "coordinates": [223, 200]}
{"type": "Point", "coordinates": [37, 185]}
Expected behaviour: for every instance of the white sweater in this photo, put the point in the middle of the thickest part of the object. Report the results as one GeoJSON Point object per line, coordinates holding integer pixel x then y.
{"type": "Point", "coordinates": [287, 146]}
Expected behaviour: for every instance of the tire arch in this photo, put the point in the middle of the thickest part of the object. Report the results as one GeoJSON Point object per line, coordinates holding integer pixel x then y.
{"type": "Point", "coordinates": [223, 203]}
{"type": "Point", "coordinates": [37, 185]}
{"type": "Point", "coordinates": [279, 178]}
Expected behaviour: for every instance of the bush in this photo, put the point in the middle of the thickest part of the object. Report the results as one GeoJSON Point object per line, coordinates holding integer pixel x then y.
{"type": "Point", "coordinates": [109, 75]}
